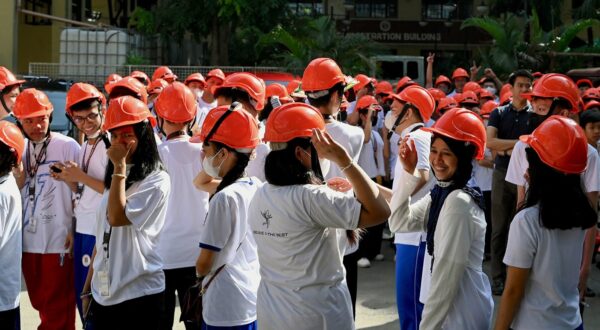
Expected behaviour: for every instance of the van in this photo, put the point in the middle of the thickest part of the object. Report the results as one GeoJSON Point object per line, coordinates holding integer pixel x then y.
{"type": "Point", "coordinates": [393, 67]}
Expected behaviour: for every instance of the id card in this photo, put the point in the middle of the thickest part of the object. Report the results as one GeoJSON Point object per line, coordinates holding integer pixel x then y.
{"type": "Point", "coordinates": [104, 283]}
{"type": "Point", "coordinates": [32, 226]}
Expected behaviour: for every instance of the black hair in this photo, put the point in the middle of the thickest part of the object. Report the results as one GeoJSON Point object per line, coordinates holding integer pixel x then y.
{"type": "Point", "coordinates": [589, 117]}
{"type": "Point", "coordinates": [324, 100]}
{"type": "Point", "coordinates": [562, 202]}
{"type": "Point", "coordinates": [464, 153]}
{"type": "Point", "coordinates": [350, 95]}
{"type": "Point", "coordinates": [8, 159]}
{"type": "Point", "coordinates": [519, 73]}
{"type": "Point", "coordinates": [266, 111]}
{"type": "Point", "coordinates": [145, 158]}
{"type": "Point", "coordinates": [237, 171]}
{"type": "Point", "coordinates": [282, 168]}
{"type": "Point", "coordinates": [86, 105]}
{"type": "Point", "coordinates": [558, 104]}
{"type": "Point", "coordinates": [235, 94]}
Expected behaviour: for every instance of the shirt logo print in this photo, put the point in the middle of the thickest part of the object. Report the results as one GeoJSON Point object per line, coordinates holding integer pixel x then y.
{"type": "Point", "coordinates": [267, 216]}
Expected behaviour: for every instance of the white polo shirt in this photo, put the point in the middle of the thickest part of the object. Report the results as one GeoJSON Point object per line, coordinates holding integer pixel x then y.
{"type": "Point", "coordinates": [371, 156]}
{"type": "Point", "coordinates": [10, 243]}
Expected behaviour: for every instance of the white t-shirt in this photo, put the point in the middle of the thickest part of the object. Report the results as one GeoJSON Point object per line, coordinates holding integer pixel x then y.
{"type": "Point", "coordinates": [231, 298]}
{"type": "Point", "coordinates": [85, 210]}
{"type": "Point", "coordinates": [187, 206]}
{"type": "Point", "coordinates": [422, 144]}
{"type": "Point", "coordinates": [202, 111]}
{"type": "Point", "coordinates": [351, 107]}
{"type": "Point", "coordinates": [302, 275]}
{"type": "Point", "coordinates": [371, 156]}
{"type": "Point", "coordinates": [483, 175]}
{"type": "Point", "coordinates": [394, 141]}
{"type": "Point", "coordinates": [256, 166]}
{"type": "Point", "coordinates": [133, 265]}
{"type": "Point", "coordinates": [551, 299]}
{"type": "Point", "coordinates": [52, 207]}
{"type": "Point", "coordinates": [10, 243]}
{"type": "Point", "coordinates": [518, 167]}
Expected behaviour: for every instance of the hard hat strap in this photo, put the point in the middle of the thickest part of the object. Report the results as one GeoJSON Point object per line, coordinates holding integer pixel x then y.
{"type": "Point", "coordinates": [220, 120]}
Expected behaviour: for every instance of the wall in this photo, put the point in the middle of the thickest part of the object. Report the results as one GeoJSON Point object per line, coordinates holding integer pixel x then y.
{"type": "Point", "coordinates": [7, 35]}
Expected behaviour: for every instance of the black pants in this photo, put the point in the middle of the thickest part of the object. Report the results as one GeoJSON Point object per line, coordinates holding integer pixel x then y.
{"type": "Point", "coordinates": [504, 201]}
{"type": "Point", "coordinates": [352, 277]}
{"type": "Point", "coordinates": [179, 280]}
{"type": "Point", "coordinates": [10, 319]}
{"type": "Point", "coordinates": [139, 313]}
{"type": "Point", "coordinates": [370, 244]}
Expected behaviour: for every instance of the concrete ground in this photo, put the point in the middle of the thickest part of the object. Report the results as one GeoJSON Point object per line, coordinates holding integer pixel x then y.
{"type": "Point", "coordinates": [376, 302]}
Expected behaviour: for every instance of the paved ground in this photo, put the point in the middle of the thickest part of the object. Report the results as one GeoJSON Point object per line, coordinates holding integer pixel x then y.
{"type": "Point", "coordinates": [376, 305]}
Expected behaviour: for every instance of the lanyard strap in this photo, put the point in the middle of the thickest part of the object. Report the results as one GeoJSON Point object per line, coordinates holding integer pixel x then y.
{"type": "Point", "coordinates": [84, 166]}
{"type": "Point", "coordinates": [32, 169]}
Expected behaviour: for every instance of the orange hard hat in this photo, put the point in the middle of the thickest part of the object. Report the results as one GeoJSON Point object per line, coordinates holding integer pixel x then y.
{"type": "Point", "coordinates": [141, 76]}
{"type": "Point", "coordinates": [293, 120]}
{"type": "Point", "coordinates": [403, 83]}
{"type": "Point", "coordinates": [437, 94]}
{"type": "Point", "coordinates": [419, 98]}
{"type": "Point", "coordinates": [8, 79]}
{"type": "Point", "coordinates": [293, 85]}
{"type": "Point", "coordinates": [110, 80]}
{"type": "Point", "coordinates": [462, 125]}
{"type": "Point", "coordinates": [505, 88]}
{"type": "Point", "coordinates": [215, 73]}
{"type": "Point", "coordinates": [278, 90]}
{"type": "Point", "coordinates": [249, 83]}
{"type": "Point", "coordinates": [80, 92]}
{"type": "Point", "coordinates": [238, 130]}
{"type": "Point", "coordinates": [567, 154]}
{"type": "Point", "coordinates": [591, 94]}
{"type": "Point", "coordinates": [591, 104]}
{"type": "Point", "coordinates": [468, 97]}
{"type": "Point", "coordinates": [164, 72]}
{"type": "Point", "coordinates": [446, 104]}
{"type": "Point", "coordinates": [176, 103]}
{"type": "Point", "coordinates": [536, 74]}
{"type": "Point", "coordinates": [157, 86]}
{"type": "Point", "coordinates": [460, 73]}
{"type": "Point", "coordinates": [582, 82]}
{"type": "Point", "coordinates": [32, 103]}
{"type": "Point", "coordinates": [485, 94]}
{"type": "Point", "coordinates": [457, 97]}
{"type": "Point", "coordinates": [488, 107]}
{"type": "Point", "coordinates": [321, 74]}
{"type": "Point", "coordinates": [384, 87]}
{"type": "Point", "coordinates": [11, 135]}
{"type": "Point", "coordinates": [471, 86]}
{"type": "Point", "coordinates": [441, 79]}
{"type": "Point", "coordinates": [126, 110]}
{"type": "Point", "coordinates": [129, 86]}
{"type": "Point", "coordinates": [363, 81]}
{"type": "Point", "coordinates": [556, 85]}
{"type": "Point", "coordinates": [366, 101]}
{"type": "Point", "coordinates": [505, 98]}
{"type": "Point", "coordinates": [196, 76]}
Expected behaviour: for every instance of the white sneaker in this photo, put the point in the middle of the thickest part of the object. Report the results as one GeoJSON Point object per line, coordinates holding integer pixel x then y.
{"type": "Point", "coordinates": [363, 263]}
{"type": "Point", "coordinates": [379, 257]}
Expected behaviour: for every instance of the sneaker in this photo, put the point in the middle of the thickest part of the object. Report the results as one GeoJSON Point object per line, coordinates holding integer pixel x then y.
{"type": "Point", "coordinates": [497, 288]}
{"type": "Point", "coordinates": [363, 263]}
{"type": "Point", "coordinates": [379, 257]}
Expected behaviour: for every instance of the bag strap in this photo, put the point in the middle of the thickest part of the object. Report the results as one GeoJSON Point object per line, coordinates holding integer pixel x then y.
{"type": "Point", "coordinates": [212, 278]}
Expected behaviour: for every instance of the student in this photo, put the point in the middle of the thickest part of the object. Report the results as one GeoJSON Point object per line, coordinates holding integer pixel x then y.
{"type": "Point", "coordinates": [85, 107]}
{"type": "Point", "coordinates": [47, 213]}
{"type": "Point", "coordinates": [110, 80]}
{"type": "Point", "coordinates": [187, 206]}
{"type": "Point", "coordinates": [227, 249]}
{"type": "Point", "coordinates": [459, 78]}
{"type": "Point", "coordinates": [458, 294]}
{"type": "Point", "coordinates": [543, 254]}
{"type": "Point", "coordinates": [126, 282]}
{"type": "Point", "coordinates": [129, 86]}
{"type": "Point", "coordinates": [208, 101]}
{"type": "Point", "coordinates": [293, 218]}
{"type": "Point", "coordinates": [197, 84]}
{"type": "Point", "coordinates": [164, 72]}
{"type": "Point", "coordinates": [9, 90]}
{"type": "Point", "coordinates": [12, 146]}
{"type": "Point", "coordinates": [590, 122]}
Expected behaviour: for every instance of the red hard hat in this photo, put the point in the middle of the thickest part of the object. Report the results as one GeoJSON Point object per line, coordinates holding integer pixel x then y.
{"type": "Point", "coordinates": [11, 135]}
{"type": "Point", "coordinates": [110, 80]}
{"type": "Point", "coordinates": [384, 87]}
{"type": "Point", "coordinates": [505, 98]}
{"type": "Point", "coordinates": [142, 77]}
{"type": "Point", "coordinates": [468, 97]}
{"type": "Point", "coordinates": [471, 86]}
{"type": "Point", "coordinates": [239, 130]}
{"type": "Point", "coordinates": [418, 97]}
{"type": "Point", "coordinates": [124, 111]}
{"type": "Point", "coordinates": [437, 94]}
{"type": "Point", "coordinates": [505, 88]}
{"type": "Point", "coordinates": [321, 74]}
{"type": "Point", "coordinates": [251, 84]}
{"type": "Point", "coordinates": [488, 107]}
{"type": "Point", "coordinates": [556, 85]}
{"type": "Point", "coordinates": [591, 94]}
{"type": "Point", "coordinates": [536, 74]}
{"type": "Point", "coordinates": [176, 103]}
{"type": "Point", "coordinates": [32, 103]}
{"type": "Point", "coordinates": [462, 125]}
{"type": "Point", "coordinates": [366, 101]}
{"type": "Point", "coordinates": [446, 103]}
{"type": "Point", "coordinates": [403, 83]}
{"type": "Point", "coordinates": [581, 82]}
{"type": "Point", "coordinates": [363, 80]}
{"type": "Point", "coordinates": [8, 79]}
{"type": "Point", "coordinates": [80, 92]}
{"type": "Point", "coordinates": [457, 97]}
{"type": "Point", "coordinates": [485, 94]}
{"type": "Point", "coordinates": [197, 76]}
{"type": "Point", "coordinates": [560, 143]}
{"type": "Point", "coordinates": [163, 72]}
{"type": "Point", "coordinates": [157, 86]}
{"type": "Point", "coordinates": [441, 79]}
{"type": "Point", "coordinates": [293, 85]}
{"type": "Point", "coordinates": [591, 104]}
{"type": "Point", "coordinates": [131, 85]}
{"type": "Point", "coordinates": [293, 120]}
{"type": "Point", "coordinates": [460, 73]}
{"type": "Point", "coordinates": [279, 90]}
{"type": "Point", "coordinates": [215, 73]}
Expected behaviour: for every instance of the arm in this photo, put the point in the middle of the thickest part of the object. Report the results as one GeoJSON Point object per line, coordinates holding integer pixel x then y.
{"type": "Point", "coordinates": [512, 296]}
{"type": "Point", "coordinates": [429, 71]}
{"type": "Point", "coordinates": [588, 249]}
{"type": "Point", "coordinates": [496, 144]}
{"type": "Point", "coordinates": [19, 174]}
{"type": "Point", "coordinates": [488, 72]}
{"type": "Point", "coordinates": [205, 261]}
{"type": "Point", "coordinates": [474, 71]}
{"type": "Point", "coordinates": [386, 152]}
{"type": "Point", "coordinates": [520, 196]}
{"type": "Point", "coordinates": [205, 182]}
{"type": "Point", "coordinates": [117, 198]}
{"type": "Point", "coordinates": [85, 293]}
{"type": "Point", "coordinates": [367, 128]}
{"type": "Point", "coordinates": [423, 179]}
{"type": "Point", "coordinates": [72, 174]}
{"type": "Point", "coordinates": [352, 118]}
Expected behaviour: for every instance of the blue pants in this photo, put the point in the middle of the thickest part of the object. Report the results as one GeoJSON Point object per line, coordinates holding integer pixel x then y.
{"type": "Point", "coordinates": [249, 326]}
{"type": "Point", "coordinates": [409, 266]}
{"type": "Point", "coordinates": [83, 248]}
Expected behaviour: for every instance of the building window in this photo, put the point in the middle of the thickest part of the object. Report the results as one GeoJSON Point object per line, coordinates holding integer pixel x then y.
{"type": "Point", "coordinates": [39, 6]}
{"type": "Point", "coordinates": [445, 10]}
{"type": "Point", "coordinates": [306, 7]}
{"type": "Point", "coordinates": [375, 8]}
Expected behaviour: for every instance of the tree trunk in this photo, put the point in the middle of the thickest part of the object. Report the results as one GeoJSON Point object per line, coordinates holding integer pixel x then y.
{"type": "Point", "coordinates": [219, 42]}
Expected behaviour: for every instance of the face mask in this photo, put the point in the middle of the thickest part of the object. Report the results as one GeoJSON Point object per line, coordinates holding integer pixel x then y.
{"type": "Point", "coordinates": [390, 120]}
{"type": "Point", "coordinates": [492, 90]}
{"type": "Point", "coordinates": [209, 168]}
{"type": "Point", "coordinates": [95, 135]}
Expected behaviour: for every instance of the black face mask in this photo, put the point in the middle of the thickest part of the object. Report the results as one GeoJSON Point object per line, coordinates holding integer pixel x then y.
{"type": "Point", "coordinates": [535, 120]}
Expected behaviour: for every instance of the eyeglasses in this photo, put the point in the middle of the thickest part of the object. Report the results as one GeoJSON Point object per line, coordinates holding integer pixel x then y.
{"type": "Point", "coordinates": [91, 117]}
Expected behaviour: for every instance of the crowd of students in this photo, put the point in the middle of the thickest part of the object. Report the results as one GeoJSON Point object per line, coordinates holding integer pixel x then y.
{"type": "Point", "coordinates": [274, 195]}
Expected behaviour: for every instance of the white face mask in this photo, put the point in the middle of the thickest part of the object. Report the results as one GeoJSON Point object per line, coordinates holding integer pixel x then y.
{"type": "Point", "coordinates": [390, 120]}
{"type": "Point", "coordinates": [492, 90]}
{"type": "Point", "coordinates": [209, 168]}
{"type": "Point", "coordinates": [95, 135]}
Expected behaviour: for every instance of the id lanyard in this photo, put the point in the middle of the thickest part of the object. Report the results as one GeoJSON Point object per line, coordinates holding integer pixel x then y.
{"type": "Point", "coordinates": [32, 172]}
{"type": "Point", "coordinates": [85, 163]}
